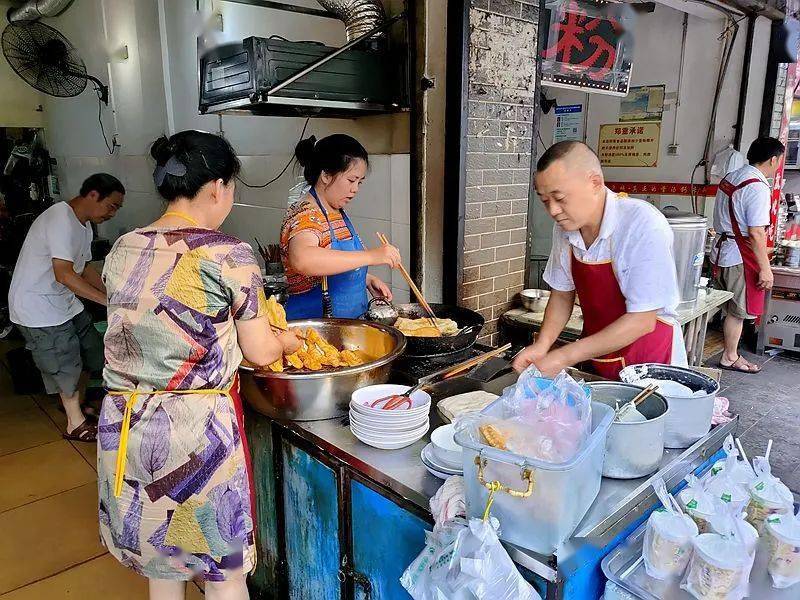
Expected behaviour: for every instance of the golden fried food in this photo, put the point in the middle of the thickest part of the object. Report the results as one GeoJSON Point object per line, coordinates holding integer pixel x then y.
{"type": "Point", "coordinates": [316, 352]}
{"type": "Point", "coordinates": [493, 436]}
{"type": "Point", "coordinates": [424, 328]}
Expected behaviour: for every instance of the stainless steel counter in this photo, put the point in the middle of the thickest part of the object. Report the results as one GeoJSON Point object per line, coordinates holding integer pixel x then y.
{"type": "Point", "coordinates": [619, 503]}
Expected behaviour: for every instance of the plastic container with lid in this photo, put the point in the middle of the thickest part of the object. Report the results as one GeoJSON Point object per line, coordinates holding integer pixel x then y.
{"type": "Point", "coordinates": [668, 538]}
{"type": "Point", "coordinates": [716, 568]}
{"type": "Point", "coordinates": [697, 503]}
{"type": "Point", "coordinates": [561, 494]}
{"type": "Point", "coordinates": [768, 496]}
{"type": "Point", "coordinates": [783, 536]}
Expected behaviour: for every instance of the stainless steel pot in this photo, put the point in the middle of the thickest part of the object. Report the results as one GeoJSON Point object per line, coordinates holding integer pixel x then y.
{"type": "Point", "coordinates": [312, 396]}
{"type": "Point", "coordinates": [633, 450]}
{"type": "Point", "coordinates": [689, 234]}
{"type": "Point", "coordinates": [534, 300]}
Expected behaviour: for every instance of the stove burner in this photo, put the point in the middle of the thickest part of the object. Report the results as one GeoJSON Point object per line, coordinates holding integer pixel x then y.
{"type": "Point", "coordinates": [408, 370]}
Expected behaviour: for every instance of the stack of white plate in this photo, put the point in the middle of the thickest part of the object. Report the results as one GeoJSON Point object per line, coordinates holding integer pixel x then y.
{"type": "Point", "coordinates": [442, 457]}
{"type": "Point", "coordinates": [389, 429]}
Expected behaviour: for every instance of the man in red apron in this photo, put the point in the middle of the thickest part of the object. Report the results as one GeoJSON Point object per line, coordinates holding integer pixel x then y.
{"type": "Point", "coordinates": [615, 254]}
{"type": "Point", "coordinates": [739, 254]}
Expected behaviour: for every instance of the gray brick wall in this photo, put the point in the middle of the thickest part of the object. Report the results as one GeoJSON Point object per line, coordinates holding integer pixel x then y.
{"type": "Point", "coordinates": [502, 63]}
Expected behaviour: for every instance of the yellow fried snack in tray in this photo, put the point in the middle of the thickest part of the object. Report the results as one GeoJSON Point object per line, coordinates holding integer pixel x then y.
{"type": "Point", "coordinates": [276, 313]}
{"type": "Point", "coordinates": [493, 436]}
{"type": "Point", "coordinates": [351, 358]}
{"type": "Point", "coordinates": [310, 361]}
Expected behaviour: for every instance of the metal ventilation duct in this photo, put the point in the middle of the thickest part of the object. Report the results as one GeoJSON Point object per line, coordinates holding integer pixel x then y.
{"type": "Point", "coordinates": [36, 9]}
{"type": "Point", "coordinates": [359, 16]}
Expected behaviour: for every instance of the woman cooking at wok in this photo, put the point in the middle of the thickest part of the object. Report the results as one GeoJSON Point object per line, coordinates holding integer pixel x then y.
{"type": "Point", "coordinates": [319, 244]}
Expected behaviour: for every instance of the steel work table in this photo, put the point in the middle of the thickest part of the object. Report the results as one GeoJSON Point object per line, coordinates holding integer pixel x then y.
{"type": "Point", "coordinates": [399, 475]}
{"type": "Point", "coordinates": [694, 320]}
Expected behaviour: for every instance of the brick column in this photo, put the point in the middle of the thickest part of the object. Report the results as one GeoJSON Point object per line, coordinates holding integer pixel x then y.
{"type": "Point", "coordinates": [502, 100]}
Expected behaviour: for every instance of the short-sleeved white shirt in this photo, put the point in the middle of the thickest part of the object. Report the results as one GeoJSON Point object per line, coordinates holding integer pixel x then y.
{"type": "Point", "coordinates": [751, 206]}
{"type": "Point", "coordinates": [637, 239]}
{"type": "Point", "coordinates": [35, 298]}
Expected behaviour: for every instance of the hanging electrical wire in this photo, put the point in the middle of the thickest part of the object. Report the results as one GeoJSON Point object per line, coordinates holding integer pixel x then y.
{"type": "Point", "coordinates": [112, 145]}
{"type": "Point", "coordinates": [279, 175]}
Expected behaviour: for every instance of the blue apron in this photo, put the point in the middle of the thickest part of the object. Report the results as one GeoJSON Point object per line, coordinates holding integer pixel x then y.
{"type": "Point", "coordinates": [348, 290]}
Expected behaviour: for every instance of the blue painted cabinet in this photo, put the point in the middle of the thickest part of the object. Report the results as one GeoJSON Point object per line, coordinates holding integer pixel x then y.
{"type": "Point", "coordinates": [386, 538]}
{"type": "Point", "coordinates": [310, 501]}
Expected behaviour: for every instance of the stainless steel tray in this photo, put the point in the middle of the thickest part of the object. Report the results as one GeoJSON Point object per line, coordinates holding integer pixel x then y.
{"type": "Point", "coordinates": [625, 568]}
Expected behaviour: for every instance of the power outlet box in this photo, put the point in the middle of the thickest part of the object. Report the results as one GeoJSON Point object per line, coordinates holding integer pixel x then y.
{"type": "Point", "coordinates": [673, 149]}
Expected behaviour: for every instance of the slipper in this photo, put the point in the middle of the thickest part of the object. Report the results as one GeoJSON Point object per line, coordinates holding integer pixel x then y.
{"type": "Point", "coordinates": [85, 432]}
{"type": "Point", "coordinates": [742, 366]}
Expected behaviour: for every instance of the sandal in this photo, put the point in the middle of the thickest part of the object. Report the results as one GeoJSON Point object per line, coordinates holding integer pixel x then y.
{"type": "Point", "coordinates": [85, 432]}
{"type": "Point", "coordinates": [740, 365]}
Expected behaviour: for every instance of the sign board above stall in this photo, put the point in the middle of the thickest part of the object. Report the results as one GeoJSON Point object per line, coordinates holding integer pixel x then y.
{"type": "Point", "coordinates": [588, 46]}
{"type": "Point", "coordinates": [629, 144]}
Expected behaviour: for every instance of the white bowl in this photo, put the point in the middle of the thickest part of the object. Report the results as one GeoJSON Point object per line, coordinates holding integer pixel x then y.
{"type": "Point", "coordinates": [414, 434]}
{"type": "Point", "coordinates": [428, 459]}
{"type": "Point", "coordinates": [445, 447]}
{"type": "Point", "coordinates": [363, 397]}
{"type": "Point", "coordinates": [380, 428]}
{"type": "Point", "coordinates": [380, 421]}
{"type": "Point", "coordinates": [393, 444]}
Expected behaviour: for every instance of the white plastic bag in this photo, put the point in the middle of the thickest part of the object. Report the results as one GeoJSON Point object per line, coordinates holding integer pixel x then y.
{"type": "Point", "coordinates": [739, 471]}
{"type": "Point", "coordinates": [768, 495]}
{"type": "Point", "coordinates": [721, 562]}
{"type": "Point", "coordinates": [728, 520]}
{"type": "Point", "coordinates": [553, 416]}
{"type": "Point", "coordinates": [697, 502]}
{"type": "Point", "coordinates": [783, 534]}
{"type": "Point", "coordinates": [465, 561]}
{"type": "Point", "coordinates": [668, 537]}
{"type": "Point", "coordinates": [729, 480]}
{"type": "Point", "coordinates": [449, 502]}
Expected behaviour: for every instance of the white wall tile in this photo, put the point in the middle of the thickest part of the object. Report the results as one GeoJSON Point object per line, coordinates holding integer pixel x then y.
{"type": "Point", "coordinates": [401, 237]}
{"type": "Point", "coordinates": [374, 198]}
{"type": "Point", "coordinates": [401, 188]}
{"type": "Point", "coordinates": [257, 170]}
{"type": "Point", "coordinates": [249, 223]}
{"type": "Point", "coordinates": [401, 296]}
{"type": "Point", "coordinates": [136, 174]}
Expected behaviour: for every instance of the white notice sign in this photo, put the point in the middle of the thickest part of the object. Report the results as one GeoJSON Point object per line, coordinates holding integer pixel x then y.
{"type": "Point", "coordinates": [569, 123]}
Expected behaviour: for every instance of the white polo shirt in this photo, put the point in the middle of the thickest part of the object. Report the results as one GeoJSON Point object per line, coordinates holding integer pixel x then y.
{"type": "Point", "coordinates": [35, 298]}
{"type": "Point", "coordinates": [637, 239]}
{"type": "Point", "coordinates": [751, 206]}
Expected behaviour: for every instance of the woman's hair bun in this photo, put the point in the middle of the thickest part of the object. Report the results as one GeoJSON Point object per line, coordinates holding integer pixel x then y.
{"type": "Point", "coordinates": [304, 151]}
{"type": "Point", "coordinates": [161, 150]}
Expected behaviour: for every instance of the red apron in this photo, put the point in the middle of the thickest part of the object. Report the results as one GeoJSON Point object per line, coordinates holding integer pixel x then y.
{"type": "Point", "coordinates": [602, 303]}
{"type": "Point", "coordinates": [236, 396]}
{"type": "Point", "coordinates": [754, 296]}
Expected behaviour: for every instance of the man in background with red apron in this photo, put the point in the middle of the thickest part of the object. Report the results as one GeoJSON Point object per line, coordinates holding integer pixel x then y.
{"type": "Point", "coordinates": [739, 254]}
{"type": "Point", "coordinates": [615, 254]}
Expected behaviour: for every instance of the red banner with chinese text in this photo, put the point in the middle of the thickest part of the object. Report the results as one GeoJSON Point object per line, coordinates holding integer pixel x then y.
{"type": "Point", "coordinates": [661, 188]}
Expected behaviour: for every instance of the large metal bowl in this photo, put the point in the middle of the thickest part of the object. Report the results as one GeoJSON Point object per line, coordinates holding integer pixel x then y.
{"type": "Point", "coordinates": [312, 396]}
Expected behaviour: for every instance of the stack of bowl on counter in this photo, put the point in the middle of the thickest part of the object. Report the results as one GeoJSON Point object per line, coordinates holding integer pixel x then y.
{"type": "Point", "coordinates": [380, 416]}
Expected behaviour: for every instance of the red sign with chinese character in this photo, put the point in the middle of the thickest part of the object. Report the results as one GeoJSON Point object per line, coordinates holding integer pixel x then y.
{"type": "Point", "coordinates": [588, 47]}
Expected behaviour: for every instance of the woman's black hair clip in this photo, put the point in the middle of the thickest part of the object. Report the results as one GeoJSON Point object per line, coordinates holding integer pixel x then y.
{"type": "Point", "coordinates": [172, 167]}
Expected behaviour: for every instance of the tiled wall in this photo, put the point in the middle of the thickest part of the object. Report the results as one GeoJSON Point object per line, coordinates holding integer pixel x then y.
{"type": "Point", "coordinates": [381, 205]}
{"type": "Point", "coordinates": [502, 58]}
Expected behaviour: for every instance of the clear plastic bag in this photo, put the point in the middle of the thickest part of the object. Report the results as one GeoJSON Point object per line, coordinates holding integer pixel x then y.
{"type": "Point", "coordinates": [464, 560]}
{"type": "Point", "coordinates": [738, 471]}
{"type": "Point", "coordinates": [768, 495]}
{"type": "Point", "coordinates": [783, 536]}
{"type": "Point", "coordinates": [730, 477]}
{"type": "Point", "coordinates": [697, 502]}
{"type": "Point", "coordinates": [549, 420]}
{"type": "Point", "coordinates": [668, 537]}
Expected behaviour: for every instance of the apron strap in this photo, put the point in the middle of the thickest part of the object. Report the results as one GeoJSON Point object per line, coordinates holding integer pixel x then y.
{"type": "Point", "coordinates": [345, 218]}
{"type": "Point", "coordinates": [131, 397]}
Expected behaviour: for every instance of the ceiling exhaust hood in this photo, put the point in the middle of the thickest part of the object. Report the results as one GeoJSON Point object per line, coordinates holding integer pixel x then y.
{"type": "Point", "coordinates": [278, 77]}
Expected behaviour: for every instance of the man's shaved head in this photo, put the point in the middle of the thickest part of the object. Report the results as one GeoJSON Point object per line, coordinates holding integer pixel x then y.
{"type": "Point", "coordinates": [569, 182]}
{"type": "Point", "coordinates": [574, 155]}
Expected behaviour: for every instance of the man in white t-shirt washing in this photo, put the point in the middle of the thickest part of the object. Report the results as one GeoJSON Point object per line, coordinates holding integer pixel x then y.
{"type": "Point", "coordinates": [50, 274]}
{"type": "Point", "coordinates": [739, 254]}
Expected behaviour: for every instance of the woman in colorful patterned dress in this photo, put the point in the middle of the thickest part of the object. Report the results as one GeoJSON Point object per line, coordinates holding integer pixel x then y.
{"type": "Point", "coordinates": [185, 303]}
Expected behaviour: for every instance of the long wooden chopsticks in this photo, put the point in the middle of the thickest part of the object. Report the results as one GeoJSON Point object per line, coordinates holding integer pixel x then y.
{"type": "Point", "coordinates": [412, 286]}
